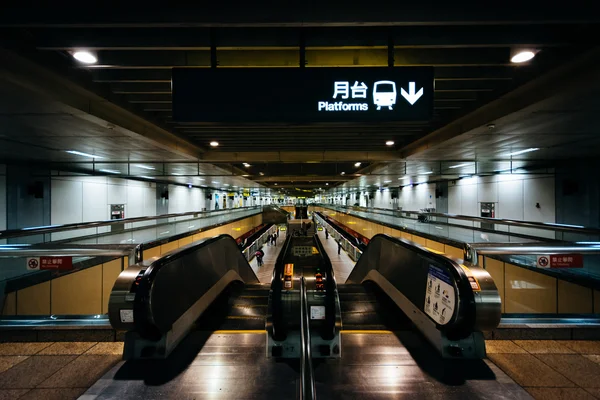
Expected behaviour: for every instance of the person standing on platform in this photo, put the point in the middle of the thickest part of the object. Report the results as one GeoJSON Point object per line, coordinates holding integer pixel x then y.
{"type": "Point", "coordinates": [326, 234]}
{"type": "Point", "coordinates": [259, 257]}
{"type": "Point", "coordinates": [269, 240]}
{"type": "Point", "coordinates": [339, 246]}
{"type": "Point", "coordinates": [274, 240]}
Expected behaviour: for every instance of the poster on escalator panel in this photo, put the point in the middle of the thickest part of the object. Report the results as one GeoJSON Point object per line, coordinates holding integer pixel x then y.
{"type": "Point", "coordinates": [439, 295]}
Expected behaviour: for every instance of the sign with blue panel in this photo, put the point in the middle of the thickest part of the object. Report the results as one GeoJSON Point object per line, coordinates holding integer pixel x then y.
{"type": "Point", "coordinates": [369, 94]}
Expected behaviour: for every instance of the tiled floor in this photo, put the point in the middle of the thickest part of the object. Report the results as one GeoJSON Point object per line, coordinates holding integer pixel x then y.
{"type": "Point", "coordinates": [62, 370]}
{"type": "Point", "coordinates": [342, 263]}
{"type": "Point", "coordinates": [550, 369]}
{"type": "Point", "coordinates": [547, 369]}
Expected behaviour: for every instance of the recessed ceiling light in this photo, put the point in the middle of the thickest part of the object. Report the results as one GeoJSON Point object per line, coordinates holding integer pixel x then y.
{"type": "Point", "coordinates": [226, 184]}
{"type": "Point", "coordinates": [80, 153]}
{"type": "Point", "coordinates": [275, 184]}
{"type": "Point", "coordinates": [522, 151]}
{"type": "Point", "coordinates": [203, 185]}
{"type": "Point", "coordinates": [427, 173]}
{"type": "Point", "coordinates": [246, 165]}
{"type": "Point", "coordinates": [386, 181]}
{"type": "Point", "coordinates": [522, 56]}
{"type": "Point", "coordinates": [342, 173]}
{"type": "Point", "coordinates": [389, 143]}
{"type": "Point", "coordinates": [459, 165]}
{"type": "Point", "coordinates": [146, 177]}
{"type": "Point", "coordinates": [176, 173]}
{"type": "Point", "coordinates": [189, 185]}
{"type": "Point", "coordinates": [85, 57]}
{"type": "Point", "coordinates": [215, 182]}
{"type": "Point", "coordinates": [214, 143]}
{"type": "Point", "coordinates": [110, 171]}
{"type": "Point", "coordinates": [144, 166]}
{"type": "Point", "coordinates": [261, 173]}
{"type": "Point", "coordinates": [357, 164]}
{"type": "Point", "coordinates": [327, 184]}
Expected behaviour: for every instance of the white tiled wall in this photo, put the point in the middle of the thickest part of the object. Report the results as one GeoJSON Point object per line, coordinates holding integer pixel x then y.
{"type": "Point", "coordinates": [414, 198]}
{"type": "Point", "coordinates": [515, 196]}
{"type": "Point", "coordinates": [84, 199]}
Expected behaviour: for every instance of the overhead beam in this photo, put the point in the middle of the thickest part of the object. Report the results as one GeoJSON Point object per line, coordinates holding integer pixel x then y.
{"type": "Point", "coordinates": [183, 38]}
{"type": "Point", "coordinates": [567, 78]}
{"type": "Point", "coordinates": [290, 14]}
{"type": "Point", "coordinates": [89, 105]}
{"type": "Point", "coordinates": [298, 156]}
{"type": "Point", "coordinates": [448, 57]}
{"type": "Point", "coordinates": [303, 178]}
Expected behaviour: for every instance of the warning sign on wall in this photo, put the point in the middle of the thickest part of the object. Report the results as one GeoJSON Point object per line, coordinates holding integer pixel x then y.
{"type": "Point", "coordinates": [439, 295]}
{"type": "Point", "coordinates": [56, 263]}
{"type": "Point", "coordinates": [560, 261]}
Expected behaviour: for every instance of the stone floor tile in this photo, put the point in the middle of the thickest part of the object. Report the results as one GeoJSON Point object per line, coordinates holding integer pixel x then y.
{"type": "Point", "coordinates": [32, 371]}
{"type": "Point", "coordinates": [67, 348]}
{"type": "Point", "coordinates": [576, 367]}
{"type": "Point", "coordinates": [582, 346]}
{"type": "Point", "coordinates": [559, 394]}
{"type": "Point", "coordinates": [502, 346]}
{"type": "Point", "coordinates": [544, 347]}
{"type": "Point", "coordinates": [22, 349]}
{"type": "Point", "coordinates": [106, 348]}
{"type": "Point", "coordinates": [594, 357]}
{"type": "Point", "coordinates": [7, 362]}
{"type": "Point", "coordinates": [527, 370]}
{"type": "Point", "coordinates": [594, 391]}
{"type": "Point", "coordinates": [84, 371]}
{"type": "Point", "coordinates": [11, 394]}
{"type": "Point", "coordinates": [53, 394]}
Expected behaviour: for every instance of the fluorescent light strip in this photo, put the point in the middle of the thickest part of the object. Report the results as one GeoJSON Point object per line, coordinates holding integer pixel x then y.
{"type": "Point", "coordinates": [427, 173]}
{"type": "Point", "coordinates": [79, 153]}
{"type": "Point", "coordinates": [144, 167]}
{"type": "Point", "coordinates": [146, 177]}
{"type": "Point", "coordinates": [459, 165]}
{"type": "Point", "coordinates": [109, 171]}
{"type": "Point", "coordinates": [523, 151]}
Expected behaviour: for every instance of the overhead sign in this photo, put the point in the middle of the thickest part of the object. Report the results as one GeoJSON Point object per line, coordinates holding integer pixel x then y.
{"type": "Point", "coordinates": [55, 263]}
{"type": "Point", "coordinates": [439, 295]}
{"type": "Point", "coordinates": [560, 261]}
{"type": "Point", "coordinates": [302, 94]}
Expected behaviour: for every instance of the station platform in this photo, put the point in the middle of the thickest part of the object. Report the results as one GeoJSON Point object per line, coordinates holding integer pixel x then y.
{"type": "Point", "coordinates": [342, 263]}
{"type": "Point", "coordinates": [265, 272]}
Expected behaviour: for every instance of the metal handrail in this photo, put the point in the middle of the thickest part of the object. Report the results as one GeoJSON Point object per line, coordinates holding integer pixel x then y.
{"type": "Point", "coordinates": [307, 377]}
{"type": "Point", "coordinates": [499, 221]}
{"type": "Point", "coordinates": [12, 233]}
{"type": "Point", "coordinates": [72, 250]}
{"type": "Point", "coordinates": [475, 249]}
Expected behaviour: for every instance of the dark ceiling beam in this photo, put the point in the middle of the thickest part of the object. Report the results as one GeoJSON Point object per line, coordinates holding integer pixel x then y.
{"type": "Point", "coordinates": [304, 178]}
{"type": "Point", "coordinates": [88, 105]}
{"type": "Point", "coordinates": [356, 37]}
{"type": "Point", "coordinates": [287, 58]}
{"type": "Point", "coordinates": [164, 75]}
{"type": "Point", "coordinates": [567, 78]}
{"type": "Point", "coordinates": [291, 14]}
{"type": "Point", "coordinates": [299, 156]}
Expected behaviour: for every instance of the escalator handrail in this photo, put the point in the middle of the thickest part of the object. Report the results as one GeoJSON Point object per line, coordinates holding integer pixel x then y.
{"type": "Point", "coordinates": [307, 377]}
{"type": "Point", "coordinates": [279, 328]}
{"type": "Point", "coordinates": [464, 316]}
{"type": "Point", "coordinates": [330, 293]}
{"type": "Point", "coordinates": [144, 321]}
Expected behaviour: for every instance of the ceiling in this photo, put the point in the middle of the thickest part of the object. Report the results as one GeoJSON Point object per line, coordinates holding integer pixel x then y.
{"type": "Point", "coordinates": [469, 50]}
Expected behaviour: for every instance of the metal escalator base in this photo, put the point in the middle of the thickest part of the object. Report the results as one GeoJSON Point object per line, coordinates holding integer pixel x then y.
{"type": "Point", "coordinates": [223, 357]}
{"type": "Point", "coordinates": [385, 357]}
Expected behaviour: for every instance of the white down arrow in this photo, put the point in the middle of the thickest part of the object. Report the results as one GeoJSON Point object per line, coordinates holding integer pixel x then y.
{"type": "Point", "coordinates": [411, 96]}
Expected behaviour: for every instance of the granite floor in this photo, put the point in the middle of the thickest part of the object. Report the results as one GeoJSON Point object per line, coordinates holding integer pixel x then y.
{"type": "Point", "coordinates": [48, 371]}
{"type": "Point", "coordinates": [546, 369]}
{"type": "Point", "coordinates": [550, 369]}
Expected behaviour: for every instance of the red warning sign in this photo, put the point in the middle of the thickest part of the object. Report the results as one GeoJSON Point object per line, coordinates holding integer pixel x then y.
{"type": "Point", "coordinates": [55, 263]}
{"type": "Point", "coordinates": [560, 261]}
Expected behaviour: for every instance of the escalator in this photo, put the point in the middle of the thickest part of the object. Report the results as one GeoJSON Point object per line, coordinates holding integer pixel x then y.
{"type": "Point", "coordinates": [399, 325]}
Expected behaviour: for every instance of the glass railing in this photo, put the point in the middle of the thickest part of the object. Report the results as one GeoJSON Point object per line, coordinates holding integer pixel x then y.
{"type": "Point", "coordinates": [126, 231]}
{"type": "Point", "coordinates": [350, 248]}
{"type": "Point", "coordinates": [470, 229]}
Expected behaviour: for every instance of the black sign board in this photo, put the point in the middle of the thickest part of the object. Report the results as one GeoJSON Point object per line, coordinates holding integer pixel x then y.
{"type": "Point", "coordinates": [368, 94]}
